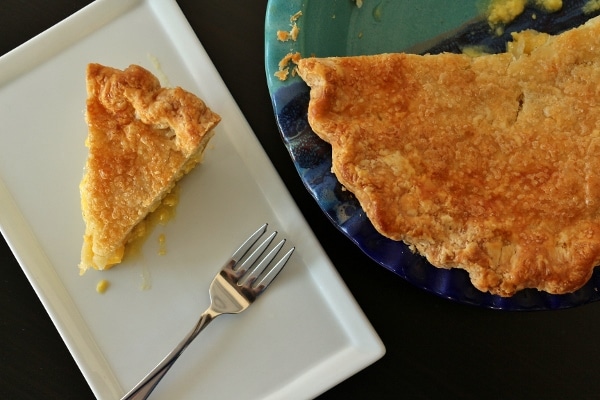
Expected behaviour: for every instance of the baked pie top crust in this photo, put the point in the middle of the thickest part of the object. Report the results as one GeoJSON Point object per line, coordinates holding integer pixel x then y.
{"type": "Point", "coordinates": [142, 139]}
{"type": "Point", "coordinates": [490, 164]}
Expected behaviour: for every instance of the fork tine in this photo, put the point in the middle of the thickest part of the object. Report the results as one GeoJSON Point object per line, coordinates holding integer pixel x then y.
{"type": "Point", "coordinates": [251, 259]}
{"type": "Point", "coordinates": [257, 269]}
{"type": "Point", "coordinates": [247, 245]}
{"type": "Point", "coordinates": [272, 273]}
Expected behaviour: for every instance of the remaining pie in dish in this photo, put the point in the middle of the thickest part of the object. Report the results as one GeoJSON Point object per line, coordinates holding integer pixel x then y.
{"type": "Point", "coordinates": [142, 139]}
{"type": "Point", "coordinates": [490, 164]}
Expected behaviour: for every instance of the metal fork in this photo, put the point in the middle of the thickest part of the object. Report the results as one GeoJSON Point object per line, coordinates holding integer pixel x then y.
{"type": "Point", "coordinates": [241, 280]}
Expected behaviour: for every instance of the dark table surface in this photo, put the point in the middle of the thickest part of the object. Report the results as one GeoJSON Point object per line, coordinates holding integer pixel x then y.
{"type": "Point", "coordinates": [436, 349]}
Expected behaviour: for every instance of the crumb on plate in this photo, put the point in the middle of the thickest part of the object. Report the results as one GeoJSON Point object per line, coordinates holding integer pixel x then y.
{"type": "Point", "coordinates": [292, 34]}
{"type": "Point", "coordinates": [102, 286]}
{"type": "Point", "coordinates": [284, 65]}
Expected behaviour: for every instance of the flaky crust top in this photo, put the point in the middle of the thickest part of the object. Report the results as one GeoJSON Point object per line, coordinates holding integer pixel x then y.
{"type": "Point", "coordinates": [141, 139]}
{"type": "Point", "coordinates": [491, 164]}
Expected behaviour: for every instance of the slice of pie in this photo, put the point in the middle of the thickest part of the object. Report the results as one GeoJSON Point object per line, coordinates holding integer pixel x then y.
{"type": "Point", "coordinates": [142, 139]}
{"type": "Point", "coordinates": [490, 164]}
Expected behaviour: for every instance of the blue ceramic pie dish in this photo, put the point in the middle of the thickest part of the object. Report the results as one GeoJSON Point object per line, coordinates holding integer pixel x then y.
{"type": "Point", "coordinates": [341, 28]}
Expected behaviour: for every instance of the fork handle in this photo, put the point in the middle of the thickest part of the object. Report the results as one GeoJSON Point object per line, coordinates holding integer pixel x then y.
{"type": "Point", "coordinates": [143, 389]}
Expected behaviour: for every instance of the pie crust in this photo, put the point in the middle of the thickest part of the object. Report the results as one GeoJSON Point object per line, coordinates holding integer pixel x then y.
{"type": "Point", "coordinates": [142, 139]}
{"type": "Point", "coordinates": [490, 164]}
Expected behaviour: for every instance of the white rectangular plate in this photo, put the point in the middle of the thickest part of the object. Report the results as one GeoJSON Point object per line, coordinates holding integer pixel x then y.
{"type": "Point", "coordinates": [304, 336]}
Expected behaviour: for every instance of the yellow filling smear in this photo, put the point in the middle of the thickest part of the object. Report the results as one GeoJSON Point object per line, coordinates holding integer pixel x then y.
{"type": "Point", "coordinates": [502, 12]}
{"type": "Point", "coordinates": [163, 214]}
{"type": "Point", "coordinates": [591, 6]}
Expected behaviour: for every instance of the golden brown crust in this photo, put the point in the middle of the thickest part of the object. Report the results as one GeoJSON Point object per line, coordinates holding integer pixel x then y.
{"type": "Point", "coordinates": [490, 164]}
{"type": "Point", "coordinates": [142, 138]}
